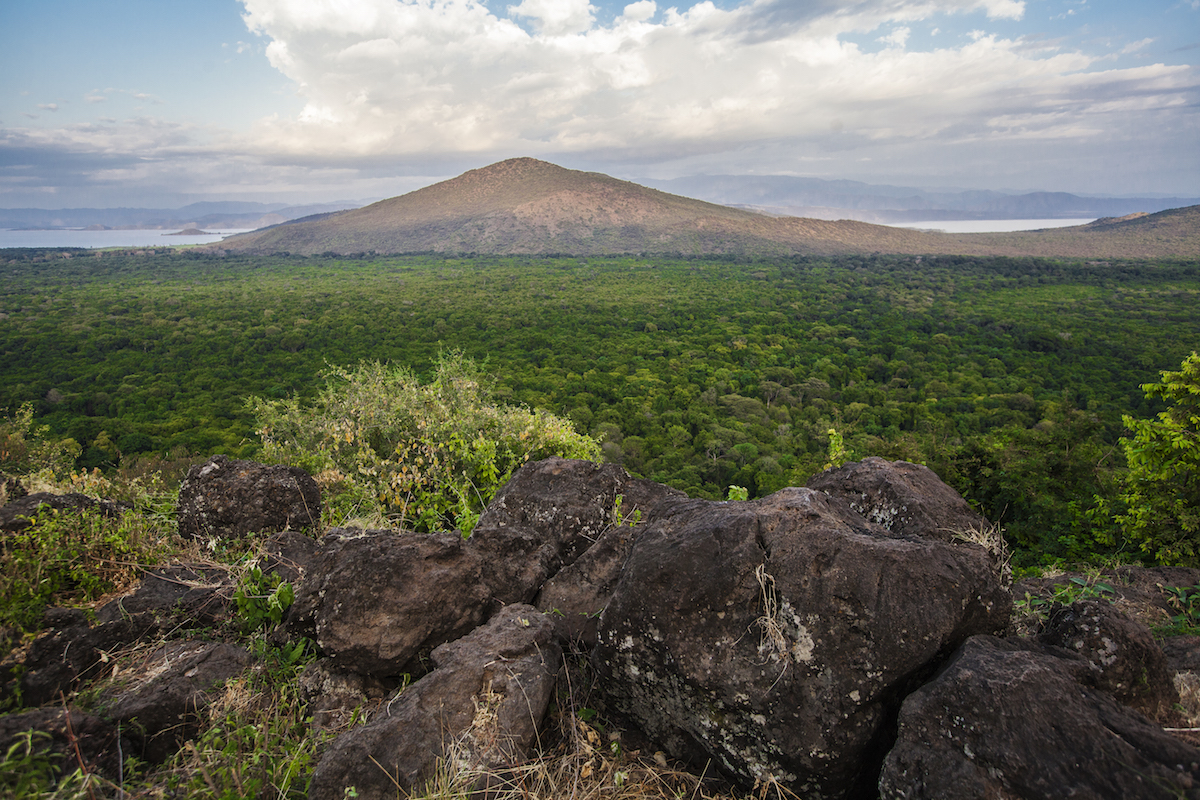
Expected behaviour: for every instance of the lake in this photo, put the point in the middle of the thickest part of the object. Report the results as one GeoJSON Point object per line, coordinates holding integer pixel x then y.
{"type": "Point", "coordinates": [990, 225]}
{"type": "Point", "coordinates": [97, 239]}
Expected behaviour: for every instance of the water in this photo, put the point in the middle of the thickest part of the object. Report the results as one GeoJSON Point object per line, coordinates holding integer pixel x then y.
{"type": "Point", "coordinates": [990, 225]}
{"type": "Point", "coordinates": [96, 239]}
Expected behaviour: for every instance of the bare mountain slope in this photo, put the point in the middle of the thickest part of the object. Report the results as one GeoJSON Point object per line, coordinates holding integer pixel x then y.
{"type": "Point", "coordinates": [526, 206]}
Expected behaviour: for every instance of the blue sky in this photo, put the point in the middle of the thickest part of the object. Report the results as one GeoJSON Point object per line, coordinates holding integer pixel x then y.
{"type": "Point", "coordinates": [108, 103]}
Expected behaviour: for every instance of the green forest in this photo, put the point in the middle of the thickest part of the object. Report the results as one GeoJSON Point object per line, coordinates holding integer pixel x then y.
{"type": "Point", "coordinates": [1008, 377]}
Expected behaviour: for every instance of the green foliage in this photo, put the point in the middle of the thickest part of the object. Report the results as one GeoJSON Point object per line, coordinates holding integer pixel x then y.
{"type": "Point", "coordinates": [69, 558]}
{"type": "Point", "coordinates": [1161, 493]}
{"type": "Point", "coordinates": [263, 748]}
{"type": "Point", "coordinates": [431, 456]}
{"type": "Point", "coordinates": [620, 518]}
{"type": "Point", "coordinates": [27, 768]}
{"type": "Point", "coordinates": [26, 449]}
{"type": "Point", "coordinates": [699, 373]}
{"type": "Point", "coordinates": [262, 599]}
{"type": "Point", "coordinates": [738, 493]}
{"type": "Point", "coordinates": [1185, 600]}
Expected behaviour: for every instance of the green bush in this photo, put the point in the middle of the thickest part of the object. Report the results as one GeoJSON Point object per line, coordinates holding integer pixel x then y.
{"type": "Point", "coordinates": [430, 456]}
{"type": "Point", "coordinates": [1161, 493]}
{"type": "Point", "coordinates": [70, 558]}
{"type": "Point", "coordinates": [26, 449]}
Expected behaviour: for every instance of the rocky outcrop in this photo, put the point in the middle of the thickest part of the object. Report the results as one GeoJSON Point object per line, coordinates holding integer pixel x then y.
{"type": "Point", "coordinates": [905, 498]}
{"type": "Point", "coordinates": [549, 514]}
{"type": "Point", "coordinates": [375, 602]}
{"type": "Point", "coordinates": [783, 640]}
{"type": "Point", "coordinates": [224, 498]}
{"type": "Point", "coordinates": [777, 636]}
{"type": "Point", "coordinates": [1012, 720]}
{"type": "Point", "coordinates": [1126, 662]}
{"type": "Point", "coordinates": [477, 711]}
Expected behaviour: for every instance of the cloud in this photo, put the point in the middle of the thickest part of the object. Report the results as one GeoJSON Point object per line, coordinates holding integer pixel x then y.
{"type": "Point", "coordinates": [48, 106]}
{"type": "Point", "coordinates": [428, 78]}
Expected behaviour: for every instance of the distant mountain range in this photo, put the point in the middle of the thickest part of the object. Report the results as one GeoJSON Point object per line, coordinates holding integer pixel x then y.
{"type": "Point", "coordinates": [225, 214]}
{"type": "Point", "coordinates": [824, 199]}
{"type": "Point", "coordinates": [526, 206]}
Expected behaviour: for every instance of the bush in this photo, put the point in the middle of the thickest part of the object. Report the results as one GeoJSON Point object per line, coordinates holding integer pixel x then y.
{"type": "Point", "coordinates": [1162, 489]}
{"type": "Point", "coordinates": [427, 456]}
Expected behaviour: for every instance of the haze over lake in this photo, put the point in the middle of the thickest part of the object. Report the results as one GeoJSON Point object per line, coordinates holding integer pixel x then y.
{"type": "Point", "coordinates": [990, 225]}
{"type": "Point", "coordinates": [100, 239]}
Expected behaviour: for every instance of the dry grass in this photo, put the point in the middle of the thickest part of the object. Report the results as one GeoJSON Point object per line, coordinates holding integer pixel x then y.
{"type": "Point", "coordinates": [991, 538]}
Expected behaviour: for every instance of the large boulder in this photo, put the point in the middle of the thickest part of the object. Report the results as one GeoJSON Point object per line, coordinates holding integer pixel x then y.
{"type": "Point", "coordinates": [1126, 661]}
{"type": "Point", "coordinates": [777, 636]}
{"type": "Point", "coordinates": [377, 601]}
{"type": "Point", "coordinates": [552, 511]}
{"type": "Point", "coordinates": [164, 696]}
{"type": "Point", "coordinates": [224, 498]}
{"type": "Point", "coordinates": [903, 497]}
{"type": "Point", "coordinates": [1012, 720]}
{"type": "Point", "coordinates": [477, 711]}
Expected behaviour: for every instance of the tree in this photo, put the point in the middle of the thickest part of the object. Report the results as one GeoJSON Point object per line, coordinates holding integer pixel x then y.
{"type": "Point", "coordinates": [430, 456]}
{"type": "Point", "coordinates": [1162, 488]}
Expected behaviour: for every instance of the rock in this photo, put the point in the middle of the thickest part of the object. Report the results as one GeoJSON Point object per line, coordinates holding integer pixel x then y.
{"type": "Point", "coordinates": [548, 514]}
{"type": "Point", "coordinates": [65, 656]}
{"type": "Point", "coordinates": [776, 636]}
{"type": "Point", "coordinates": [199, 596]}
{"type": "Point", "coordinates": [1182, 653]}
{"type": "Point", "coordinates": [477, 711]}
{"type": "Point", "coordinates": [288, 554]}
{"type": "Point", "coordinates": [577, 594]}
{"type": "Point", "coordinates": [224, 498]}
{"type": "Point", "coordinates": [1127, 661]}
{"type": "Point", "coordinates": [908, 499]}
{"type": "Point", "coordinates": [169, 690]}
{"type": "Point", "coordinates": [375, 602]}
{"type": "Point", "coordinates": [73, 740]}
{"type": "Point", "coordinates": [1006, 720]}
{"type": "Point", "coordinates": [332, 695]}
{"type": "Point", "coordinates": [16, 515]}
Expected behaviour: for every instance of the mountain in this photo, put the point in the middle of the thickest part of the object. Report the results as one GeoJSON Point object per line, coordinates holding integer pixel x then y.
{"type": "Point", "coordinates": [526, 206]}
{"type": "Point", "coordinates": [824, 199]}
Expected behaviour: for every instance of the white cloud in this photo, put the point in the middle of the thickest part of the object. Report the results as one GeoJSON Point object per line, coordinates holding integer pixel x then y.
{"type": "Point", "coordinates": [48, 106]}
{"type": "Point", "coordinates": [556, 17]}
{"type": "Point", "coordinates": [412, 78]}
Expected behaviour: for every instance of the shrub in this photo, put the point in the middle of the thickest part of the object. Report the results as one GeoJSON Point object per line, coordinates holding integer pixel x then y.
{"type": "Point", "coordinates": [1161, 494]}
{"type": "Point", "coordinates": [427, 456]}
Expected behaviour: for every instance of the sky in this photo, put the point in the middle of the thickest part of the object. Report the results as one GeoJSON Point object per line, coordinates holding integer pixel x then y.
{"type": "Point", "coordinates": [156, 104]}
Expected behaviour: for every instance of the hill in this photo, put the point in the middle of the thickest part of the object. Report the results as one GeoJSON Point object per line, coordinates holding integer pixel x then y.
{"type": "Point", "coordinates": [526, 206]}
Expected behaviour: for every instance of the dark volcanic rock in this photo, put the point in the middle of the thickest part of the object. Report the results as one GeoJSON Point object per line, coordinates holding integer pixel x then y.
{"type": "Point", "coordinates": [170, 689]}
{"type": "Point", "coordinates": [15, 516]}
{"type": "Point", "coordinates": [549, 513]}
{"type": "Point", "coordinates": [479, 709]}
{"type": "Point", "coordinates": [776, 636]}
{"type": "Point", "coordinates": [1127, 661]}
{"type": "Point", "coordinates": [905, 498]}
{"type": "Point", "coordinates": [66, 655]}
{"type": "Point", "coordinates": [224, 498]}
{"type": "Point", "coordinates": [375, 601]}
{"type": "Point", "coordinates": [331, 694]}
{"type": "Point", "coordinates": [1005, 720]}
{"type": "Point", "coordinates": [74, 740]}
{"type": "Point", "coordinates": [198, 595]}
